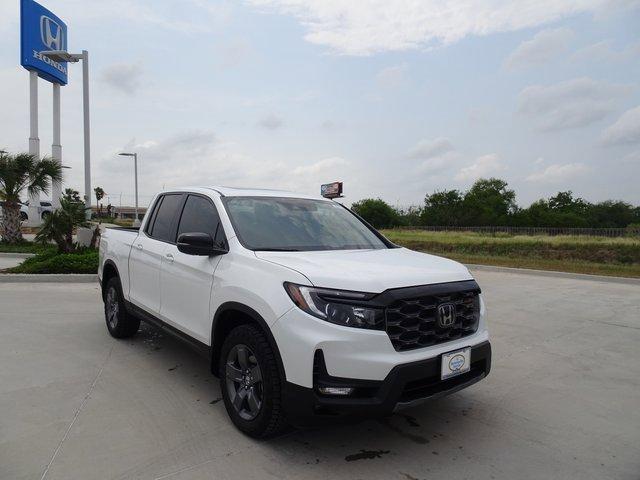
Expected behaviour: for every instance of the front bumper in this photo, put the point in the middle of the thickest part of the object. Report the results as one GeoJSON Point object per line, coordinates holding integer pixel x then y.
{"type": "Point", "coordinates": [351, 352]}
{"type": "Point", "coordinates": [406, 385]}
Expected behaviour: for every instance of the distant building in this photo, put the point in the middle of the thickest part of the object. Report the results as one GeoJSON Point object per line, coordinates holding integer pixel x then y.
{"type": "Point", "coordinates": [127, 213]}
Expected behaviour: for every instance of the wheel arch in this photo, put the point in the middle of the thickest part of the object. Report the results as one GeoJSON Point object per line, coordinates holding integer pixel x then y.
{"type": "Point", "coordinates": [109, 271]}
{"type": "Point", "coordinates": [233, 314]}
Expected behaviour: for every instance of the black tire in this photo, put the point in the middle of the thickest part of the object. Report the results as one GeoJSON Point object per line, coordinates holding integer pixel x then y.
{"type": "Point", "coordinates": [23, 217]}
{"type": "Point", "coordinates": [120, 323]}
{"type": "Point", "coordinates": [269, 420]}
{"type": "Point", "coordinates": [45, 214]}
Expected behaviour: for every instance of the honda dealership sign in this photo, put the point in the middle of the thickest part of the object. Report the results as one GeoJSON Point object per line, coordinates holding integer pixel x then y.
{"type": "Point", "coordinates": [41, 30]}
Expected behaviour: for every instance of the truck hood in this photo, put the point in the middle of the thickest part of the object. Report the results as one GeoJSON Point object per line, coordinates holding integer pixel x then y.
{"type": "Point", "coordinates": [369, 270]}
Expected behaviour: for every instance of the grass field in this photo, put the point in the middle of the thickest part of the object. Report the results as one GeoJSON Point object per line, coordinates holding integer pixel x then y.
{"type": "Point", "coordinates": [578, 254]}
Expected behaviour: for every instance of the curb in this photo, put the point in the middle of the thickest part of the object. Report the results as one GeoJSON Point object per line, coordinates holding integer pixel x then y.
{"type": "Point", "coordinates": [16, 255]}
{"type": "Point", "coordinates": [48, 278]}
{"type": "Point", "coordinates": [553, 273]}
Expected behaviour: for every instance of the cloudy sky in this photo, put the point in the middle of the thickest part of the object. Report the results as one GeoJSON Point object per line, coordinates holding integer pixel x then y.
{"type": "Point", "coordinates": [394, 97]}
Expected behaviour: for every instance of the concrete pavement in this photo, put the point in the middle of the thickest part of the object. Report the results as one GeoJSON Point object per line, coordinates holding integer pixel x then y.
{"type": "Point", "coordinates": [9, 262]}
{"type": "Point", "coordinates": [561, 401]}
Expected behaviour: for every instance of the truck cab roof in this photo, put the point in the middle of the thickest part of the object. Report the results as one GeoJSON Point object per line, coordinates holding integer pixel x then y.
{"type": "Point", "coordinates": [247, 192]}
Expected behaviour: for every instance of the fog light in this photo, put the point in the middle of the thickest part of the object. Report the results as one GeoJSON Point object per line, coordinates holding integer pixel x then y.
{"type": "Point", "coordinates": [336, 390]}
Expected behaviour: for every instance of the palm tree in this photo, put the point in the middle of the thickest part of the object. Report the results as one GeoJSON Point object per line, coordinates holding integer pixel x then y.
{"type": "Point", "coordinates": [99, 193]}
{"type": "Point", "coordinates": [60, 224]}
{"type": "Point", "coordinates": [72, 194]}
{"type": "Point", "coordinates": [17, 173]}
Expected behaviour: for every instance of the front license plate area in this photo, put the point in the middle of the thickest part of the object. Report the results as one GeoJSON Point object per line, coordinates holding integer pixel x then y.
{"type": "Point", "coordinates": [455, 363]}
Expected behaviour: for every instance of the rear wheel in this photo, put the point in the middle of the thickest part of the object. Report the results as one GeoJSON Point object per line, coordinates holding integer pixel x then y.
{"type": "Point", "coordinates": [250, 383]}
{"type": "Point", "coordinates": [120, 323]}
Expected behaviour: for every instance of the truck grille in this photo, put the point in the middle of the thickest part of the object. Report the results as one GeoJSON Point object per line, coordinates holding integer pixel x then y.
{"type": "Point", "coordinates": [413, 322]}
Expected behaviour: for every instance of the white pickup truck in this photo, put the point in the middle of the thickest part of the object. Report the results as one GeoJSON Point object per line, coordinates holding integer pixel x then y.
{"type": "Point", "coordinates": [304, 311]}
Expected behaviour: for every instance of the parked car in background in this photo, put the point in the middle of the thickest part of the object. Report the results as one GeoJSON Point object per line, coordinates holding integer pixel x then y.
{"type": "Point", "coordinates": [45, 209]}
{"type": "Point", "coordinates": [306, 313]}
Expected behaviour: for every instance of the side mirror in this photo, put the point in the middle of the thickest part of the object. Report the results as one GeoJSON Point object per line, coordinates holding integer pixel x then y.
{"type": "Point", "coordinates": [198, 243]}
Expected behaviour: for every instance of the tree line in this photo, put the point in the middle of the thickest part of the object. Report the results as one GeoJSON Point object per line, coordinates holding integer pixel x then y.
{"type": "Point", "coordinates": [490, 202]}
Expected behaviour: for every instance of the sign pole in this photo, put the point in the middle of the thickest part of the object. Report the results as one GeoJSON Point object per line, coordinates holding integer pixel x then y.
{"type": "Point", "coordinates": [87, 128]}
{"type": "Point", "coordinates": [56, 147]}
{"type": "Point", "coordinates": [34, 145]}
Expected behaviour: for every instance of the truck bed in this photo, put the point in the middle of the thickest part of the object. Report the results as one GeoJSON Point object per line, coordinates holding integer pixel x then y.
{"type": "Point", "coordinates": [132, 229]}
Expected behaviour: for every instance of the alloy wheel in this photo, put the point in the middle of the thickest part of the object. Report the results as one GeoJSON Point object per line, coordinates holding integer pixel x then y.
{"type": "Point", "coordinates": [112, 308]}
{"type": "Point", "coordinates": [244, 381]}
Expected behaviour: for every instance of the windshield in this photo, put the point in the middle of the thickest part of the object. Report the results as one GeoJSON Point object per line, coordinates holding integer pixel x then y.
{"type": "Point", "coordinates": [297, 224]}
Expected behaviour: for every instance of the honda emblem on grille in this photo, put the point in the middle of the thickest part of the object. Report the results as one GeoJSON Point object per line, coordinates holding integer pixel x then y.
{"type": "Point", "coordinates": [446, 315]}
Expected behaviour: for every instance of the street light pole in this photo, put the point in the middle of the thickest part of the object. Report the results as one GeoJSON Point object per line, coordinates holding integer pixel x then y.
{"type": "Point", "coordinates": [136, 222]}
{"type": "Point", "coordinates": [64, 56]}
{"type": "Point", "coordinates": [87, 134]}
{"type": "Point", "coordinates": [135, 168]}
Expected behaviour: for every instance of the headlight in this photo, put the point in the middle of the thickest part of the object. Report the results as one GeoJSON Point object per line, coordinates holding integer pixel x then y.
{"type": "Point", "coordinates": [336, 306]}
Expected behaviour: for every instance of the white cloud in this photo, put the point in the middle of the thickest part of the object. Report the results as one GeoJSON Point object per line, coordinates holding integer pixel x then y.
{"type": "Point", "coordinates": [625, 130]}
{"type": "Point", "coordinates": [193, 16]}
{"type": "Point", "coordinates": [570, 104]}
{"type": "Point", "coordinates": [425, 149]}
{"type": "Point", "coordinates": [435, 155]}
{"type": "Point", "coordinates": [604, 51]}
{"type": "Point", "coordinates": [324, 166]}
{"type": "Point", "coordinates": [559, 173]}
{"type": "Point", "coordinates": [196, 144]}
{"type": "Point", "coordinates": [544, 46]}
{"type": "Point", "coordinates": [271, 122]}
{"type": "Point", "coordinates": [633, 157]}
{"type": "Point", "coordinates": [199, 158]}
{"type": "Point", "coordinates": [483, 166]}
{"type": "Point", "coordinates": [125, 77]}
{"type": "Point", "coordinates": [365, 27]}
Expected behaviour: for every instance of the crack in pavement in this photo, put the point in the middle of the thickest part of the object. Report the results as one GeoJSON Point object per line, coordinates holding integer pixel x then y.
{"type": "Point", "coordinates": [76, 414]}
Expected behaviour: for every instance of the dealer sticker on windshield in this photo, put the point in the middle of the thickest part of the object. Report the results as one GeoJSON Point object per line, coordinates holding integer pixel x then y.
{"type": "Point", "coordinates": [455, 363]}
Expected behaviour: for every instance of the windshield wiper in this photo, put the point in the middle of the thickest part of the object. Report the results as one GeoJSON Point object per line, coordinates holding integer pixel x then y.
{"type": "Point", "coordinates": [276, 249]}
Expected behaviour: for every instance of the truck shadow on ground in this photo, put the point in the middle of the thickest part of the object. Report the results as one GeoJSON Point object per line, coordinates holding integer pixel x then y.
{"type": "Point", "coordinates": [429, 431]}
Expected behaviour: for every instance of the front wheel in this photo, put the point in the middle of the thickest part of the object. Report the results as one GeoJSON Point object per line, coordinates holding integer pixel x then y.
{"type": "Point", "coordinates": [250, 383]}
{"type": "Point", "coordinates": [120, 323]}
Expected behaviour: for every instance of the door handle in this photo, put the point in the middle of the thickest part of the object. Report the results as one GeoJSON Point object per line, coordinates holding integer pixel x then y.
{"type": "Point", "coordinates": [169, 257]}
{"type": "Point", "coordinates": [139, 246]}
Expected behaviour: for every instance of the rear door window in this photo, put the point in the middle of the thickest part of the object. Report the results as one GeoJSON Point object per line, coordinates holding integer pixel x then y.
{"type": "Point", "coordinates": [148, 229]}
{"type": "Point", "coordinates": [163, 227]}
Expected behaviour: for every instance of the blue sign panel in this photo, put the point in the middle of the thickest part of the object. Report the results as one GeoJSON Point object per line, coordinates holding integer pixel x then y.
{"type": "Point", "coordinates": [41, 30]}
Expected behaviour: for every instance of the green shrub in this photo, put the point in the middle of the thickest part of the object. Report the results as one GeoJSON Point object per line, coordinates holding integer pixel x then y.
{"type": "Point", "coordinates": [50, 261]}
{"type": "Point", "coordinates": [24, 247]}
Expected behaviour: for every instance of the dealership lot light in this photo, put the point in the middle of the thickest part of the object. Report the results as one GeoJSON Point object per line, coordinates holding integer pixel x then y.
{"type": "Point", "coordinates": [60, 56]}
